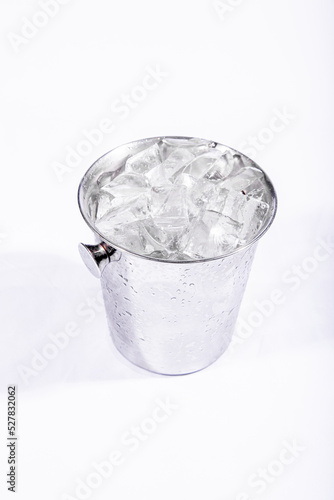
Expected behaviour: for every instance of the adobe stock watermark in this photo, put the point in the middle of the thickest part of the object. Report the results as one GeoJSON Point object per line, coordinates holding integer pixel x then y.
{"type": "Point", "coordinates": [279, 121]}
{"type": "Point", "coordinates": [259, 481]}
{"type": "Point", "coordinates": [57, 342]}
{"type": "Point", "coordinates": [130, 442]}
{"type": "Point", "coordinates": [224, 8]}
{"type": "Point", "coordinates": [121, 108]}
{"type": "Point", "coordinates": [30, 28]}
{"type": "Point", "coordinates": [292, 279]}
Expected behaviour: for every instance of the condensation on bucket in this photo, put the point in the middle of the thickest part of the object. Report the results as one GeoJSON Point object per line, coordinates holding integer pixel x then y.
{"type": "Point", "coordinates": [167, 317]}
{"type": "Point", "coordinates": [173, 318]}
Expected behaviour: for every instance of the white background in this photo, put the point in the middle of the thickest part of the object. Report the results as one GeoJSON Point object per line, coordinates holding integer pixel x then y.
{"type": "Point", "coordinates": [227, 71]}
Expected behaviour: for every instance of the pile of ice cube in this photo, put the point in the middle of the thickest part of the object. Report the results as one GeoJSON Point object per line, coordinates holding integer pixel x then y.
{"type": "Point", "coordinates": [181, 200]}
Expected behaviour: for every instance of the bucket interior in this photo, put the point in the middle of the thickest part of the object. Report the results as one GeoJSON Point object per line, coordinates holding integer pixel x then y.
{"type": "Point", "coordinates": [113, 162]}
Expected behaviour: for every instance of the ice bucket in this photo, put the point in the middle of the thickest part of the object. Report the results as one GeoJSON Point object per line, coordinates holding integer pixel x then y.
{"type": "Point", "coordinates": [167, 317]}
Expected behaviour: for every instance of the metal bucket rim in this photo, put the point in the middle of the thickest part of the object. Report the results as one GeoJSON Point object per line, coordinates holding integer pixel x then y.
{"type": "Point", "coordinates": [273, 208]}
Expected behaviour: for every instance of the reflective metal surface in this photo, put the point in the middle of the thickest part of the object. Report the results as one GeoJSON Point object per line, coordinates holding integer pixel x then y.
{"type": "Point", "coordinates": [167, 317]}
{"type": "Point", "coordinates": [95, 257]}
{"type": "Point", "coordinates": [174, 318]}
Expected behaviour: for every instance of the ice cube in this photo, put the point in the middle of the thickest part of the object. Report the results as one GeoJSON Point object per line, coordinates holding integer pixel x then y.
{"type": "Point", "coordinates": [158, 198]}
{"type": "Point", "coordinates": [217, 200]}
{"type": "Point", "coordinates": [124, 190]}
{"type": "Point", "coordinates": [234, 202]}
{"type": "Point", "coordinates": [170, 211]}
{"type": "Point", "coordinates": [196, 146]}
{"type": "Point", "coordinates": [224, 232]}
{"type": "Point", "coordinates": [222, 168]}
{"type": "Point", "coordinates": [253, 214]}
{"type": "Point", "coordinates": [201, 192]}
{"type": "Point", "coordinates": [157, 176]}
{"type": "Point", "coordinates": [238, 163]}
{"type": "Point", "coordinates": [180, 142]}
{"type": "Point", "coordinates": [185, 180]}
{"type": "Point", "coordinates": [176, 203]}
{"type": "Point", "coordinates": [176, 161]}
{"type": "Point", "coordinates": [114, 220]}
{"type": "Point", "coordinates": [104, 205]}
{"type": "Point", "coordinates": [154, 234]}
{"type": "Point", "coordinates": [128, 236]}
{"type": "Point", "coordinates": [169, 201]}
{"type": "Point", "coordinates": [201, 165]}
{"type": "Point", "coordinates": [143, 161]}
{"type": "Point", "coordinates": [164, 173]}
{"type": "Point", "coordinates": [132, 210]}
{"type": "Point", "coordinates": [194, 240]}
{"type": "Point", "coordinates": [210, 236]}
{"type": "Point", "coordinates": [107, 177]}
{"type": "Point", "coordinates": [197, 192]}
{"type": "Point", "coordinates": [245, 180]}
{"type": "Point", "coordinates": [93, 204]}
{"type": "Point", "coordinates": [126, 185]}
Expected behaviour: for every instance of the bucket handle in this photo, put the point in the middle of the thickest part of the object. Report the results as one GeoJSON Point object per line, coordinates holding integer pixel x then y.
{"type": "Point", "coordinates": [96, 257]}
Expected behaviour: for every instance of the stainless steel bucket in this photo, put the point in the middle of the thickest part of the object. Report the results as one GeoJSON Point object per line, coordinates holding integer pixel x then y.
{"type": "Point", "coordinates": [167, 317]}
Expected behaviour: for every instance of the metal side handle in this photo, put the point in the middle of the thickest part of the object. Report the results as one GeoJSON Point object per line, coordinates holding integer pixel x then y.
{"type": "Point", "coordinates": [96, 257]}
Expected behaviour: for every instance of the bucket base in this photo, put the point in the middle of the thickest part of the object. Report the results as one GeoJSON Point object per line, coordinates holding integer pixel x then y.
{"type": "Point", "coordinates": [169, 372]}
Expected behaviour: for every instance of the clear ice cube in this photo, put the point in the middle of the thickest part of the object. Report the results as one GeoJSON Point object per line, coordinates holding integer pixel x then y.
{"type": "Point", "coordinates": [113, 221]}
{"type": "Point", "coordinates": [107, 177]}
{"type": "Point", "coordinates": [245, 180]}
{"type": "Point", "coordinates": [123, 190]}
{"type": "Point", "coordinates": [154, 238]}
{"type": "Point", "coordinates": [196, 146]}
{"type": "Point", "coordinates": [170, 212]}
{"type": "Point", "coordinates": [103, 205]}
{"type": "Point", "coordinates": [222, 168]}
{"type": "Point", "coordinates": [130, 211]}
{"type": "Point", "coordinates": [126, 185]}
{"type": "Point", "coordinates": [128, 236]}
{"type": "Point", "coordinates": [194, 240]}
{"type": "Point", "coordinates": [157, 176]}
{"type": "Point", "coordinates": [234, 202]}
{"type": "Point", "coordinates": [169, 201]}
{"type": "Point", "coordinates": [176, 161]}
{"type": "Point", "coordinates": [200, 166]}
{"type": "Point", "coordinates": [143, 161]}
{"type": "Point", "coordinates": [217, 201]}
{"type": "Point", "coordinates": [210, 235]}
{"type": "Point", "coordinates": [185, 180]}
{"type": "Point", "coordinates": [253, 214]}
{"type": "Point", "coordinates": [93, 204]}
{"type": "Point", "coordinates": [224, 232]}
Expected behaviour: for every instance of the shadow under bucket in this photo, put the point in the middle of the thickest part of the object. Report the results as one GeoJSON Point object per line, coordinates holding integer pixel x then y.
{"type": "Point", "coordinates": [169, 317]}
